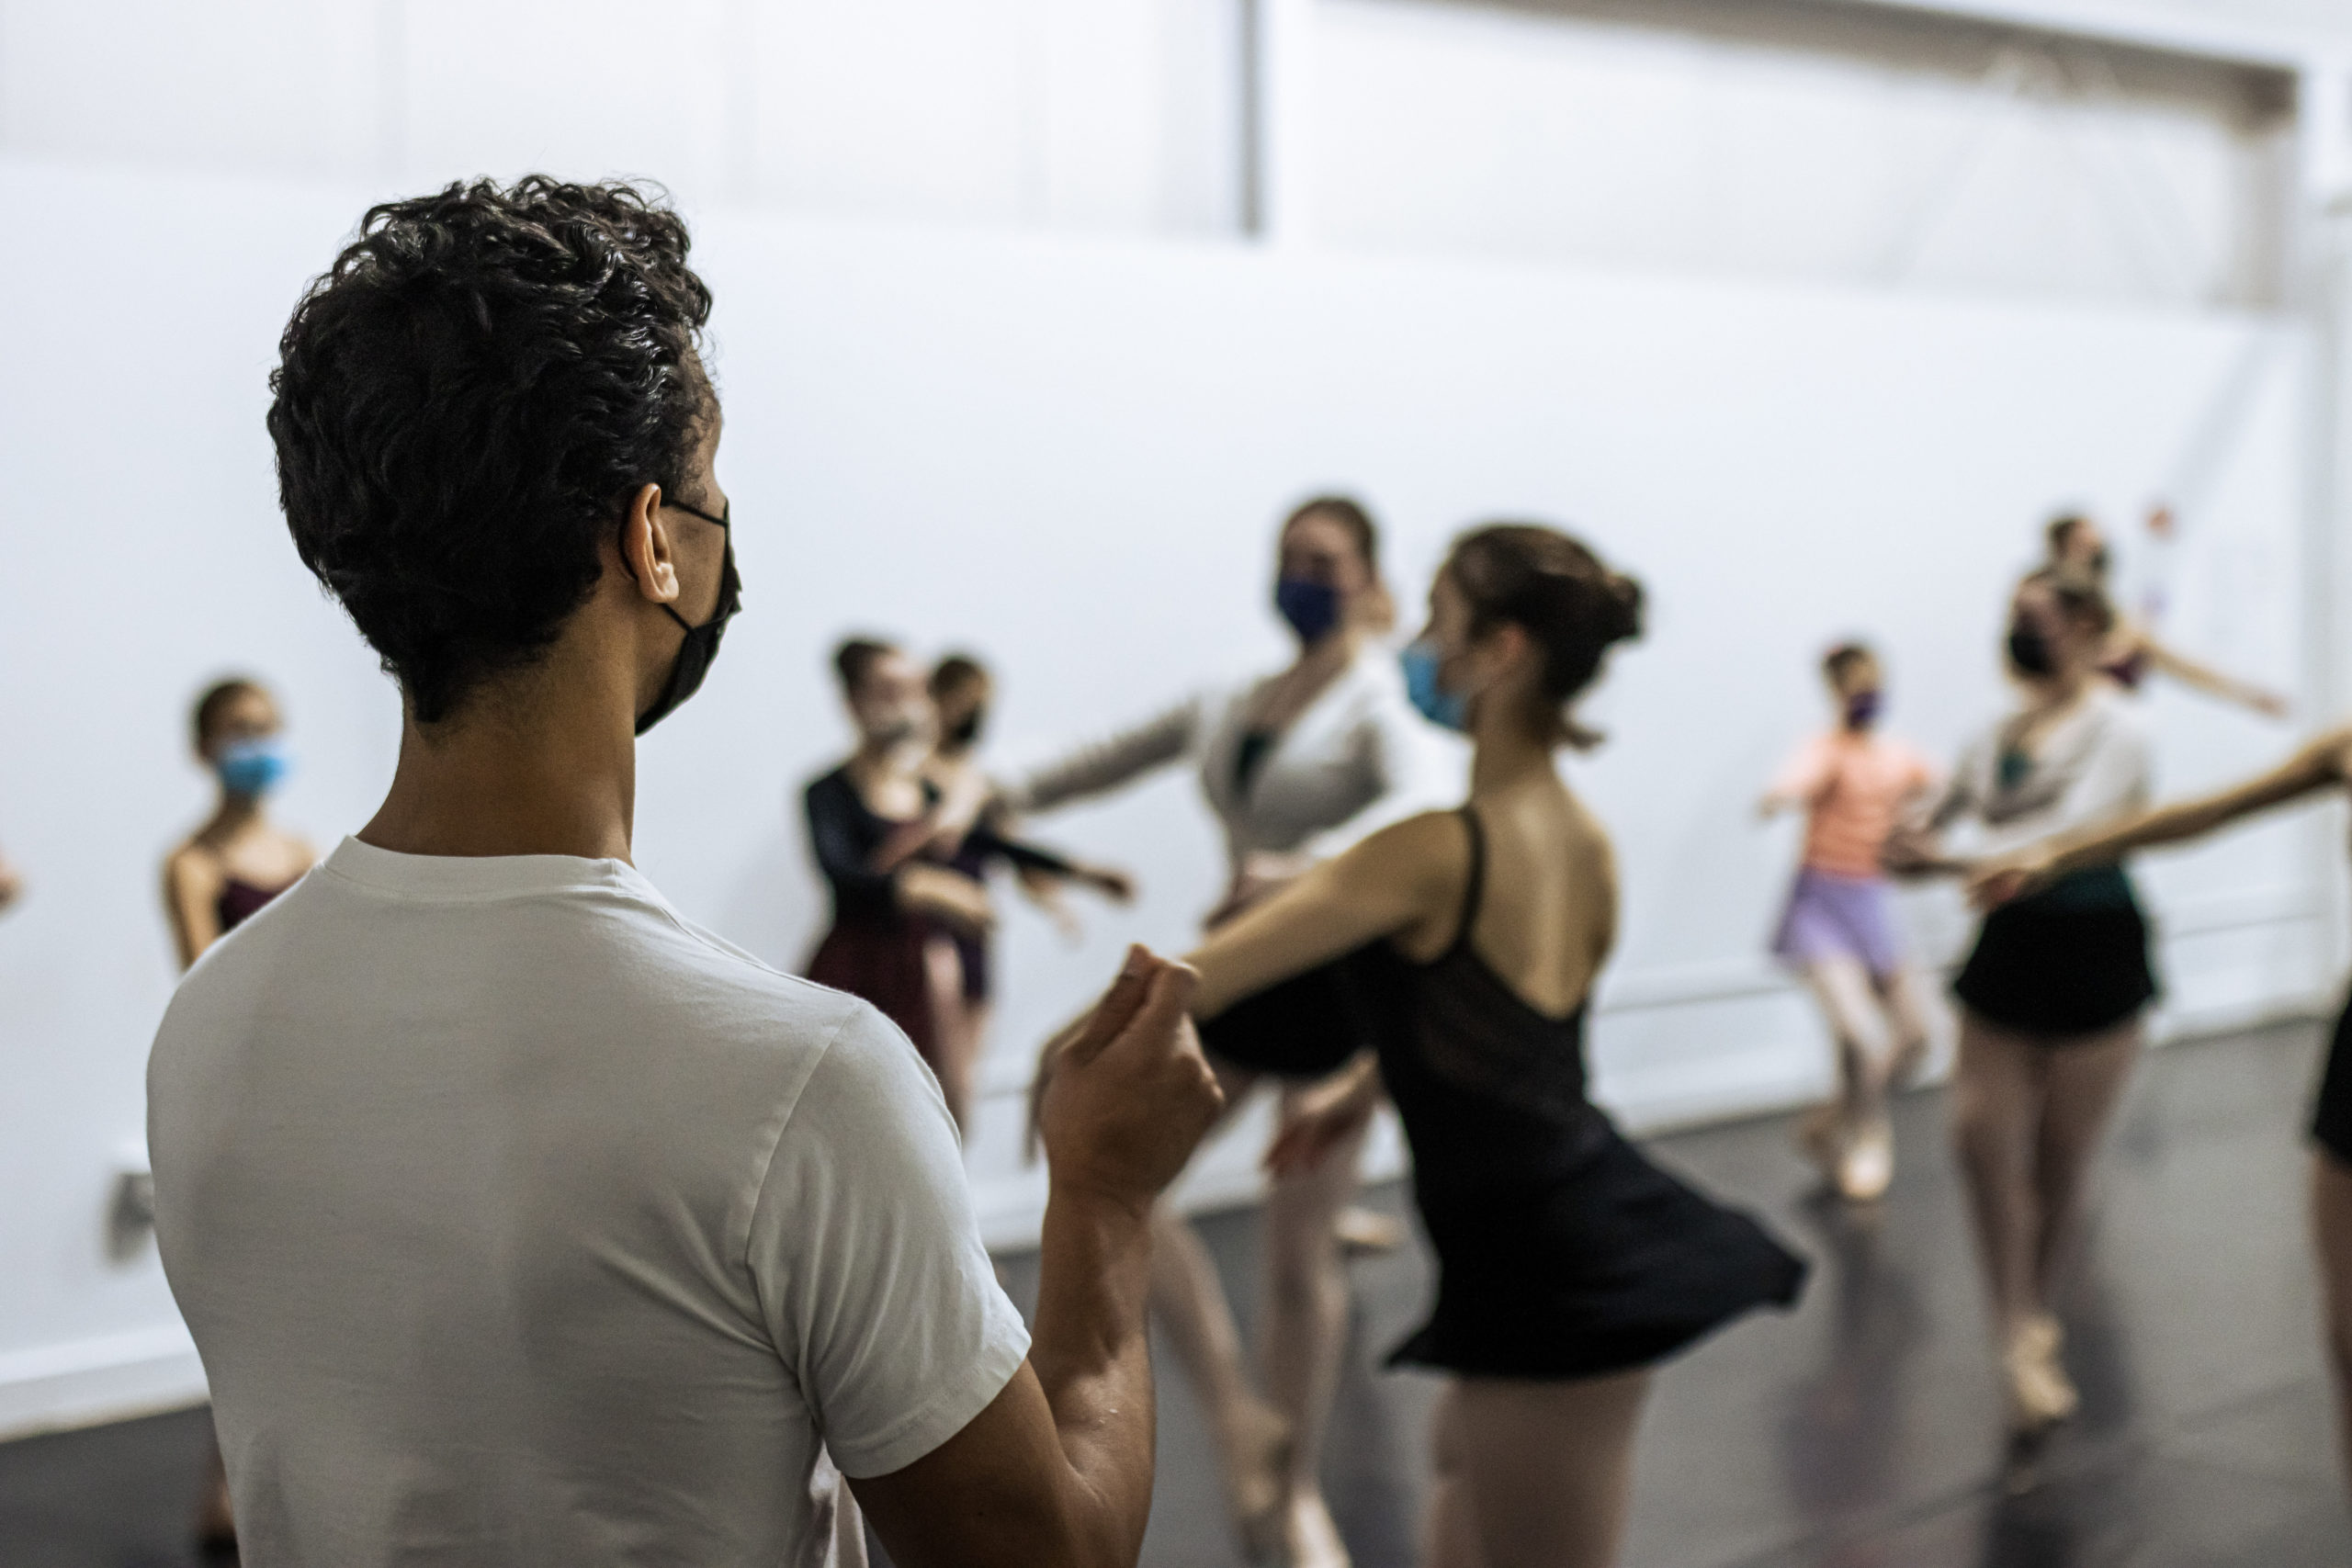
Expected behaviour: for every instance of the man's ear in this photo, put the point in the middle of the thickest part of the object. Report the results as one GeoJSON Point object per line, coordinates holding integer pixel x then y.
{"type": "Point", "coordinates": [647, 552]}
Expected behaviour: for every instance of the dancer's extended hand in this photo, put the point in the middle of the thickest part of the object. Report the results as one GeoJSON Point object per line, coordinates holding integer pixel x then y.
{"type": "Point", "coordinates": [1916, 852]}
{"type": "Point", "coordinates": [1993, 883]}
{"type": "Point", "coordinates": [1125, 1094]}
{"type": "Point", "coordinates": [1111, 881]}
{"type": "Point", "coordinates": [948, 897]}
{"type": "Point", "coordinates": [1325, 1117]}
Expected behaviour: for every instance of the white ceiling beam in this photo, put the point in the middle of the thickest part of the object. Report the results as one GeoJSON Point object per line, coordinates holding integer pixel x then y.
{"type": "Point", "coordinates": [2215, 33]}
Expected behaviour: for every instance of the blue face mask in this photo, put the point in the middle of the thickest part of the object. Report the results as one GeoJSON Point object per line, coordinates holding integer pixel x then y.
{"type": "Point", "coordinates": [1435, 704]}
{"type": "Point", "coordinates": [249, 767]}
{"type": "Point", "coordinates": [1312, 608]}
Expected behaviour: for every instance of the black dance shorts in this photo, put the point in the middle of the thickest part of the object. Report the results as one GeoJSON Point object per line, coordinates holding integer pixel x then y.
{"type": "Point", "coordinates": [2070, 960]}
{"type": "Point", "coordinates": [1300, 1028]}
{"type": "Point", "coordinates": [2332, 1117]}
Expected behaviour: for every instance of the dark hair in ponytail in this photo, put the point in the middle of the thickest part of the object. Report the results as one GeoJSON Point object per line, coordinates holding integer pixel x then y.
{"type": "Point", "coordinates": [1554, 588]}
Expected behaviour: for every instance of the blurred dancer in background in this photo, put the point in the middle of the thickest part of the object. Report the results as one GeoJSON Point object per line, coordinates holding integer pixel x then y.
{"type": "Point", "coordinates": [2321, 768]}
{"type": "Point", "coordinates": [883, 835]}
{"type": "Point", "coordinates": [12, 886]}
{"type": "Point", "coordinates": [2053, 993]}
{"type": "Point", "coordinates": [1838, 931]}
{"type": "Point", "coordinates": [1469, 940]}
{"type": "Point", "coordinates": [960, 690]}
{"type": "Point", "coordinates": [239, 860]}
{"type": "Point", "coordinates": [1328, 742]}
{"type": "Point", "coordinates": [225, 872]}
{"type": "Point", "coordinates": [905, 847]}
{"type": "Point", "coordinates": [2131, 651]}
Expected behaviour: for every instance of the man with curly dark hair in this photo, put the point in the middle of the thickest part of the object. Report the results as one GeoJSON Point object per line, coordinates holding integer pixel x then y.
{"type": "Point", "coordinates": [518, 1221]}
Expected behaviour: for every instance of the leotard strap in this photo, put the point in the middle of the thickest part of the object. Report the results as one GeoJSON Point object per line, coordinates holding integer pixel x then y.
{"type": "Point", "coordinates": [1474, 886]}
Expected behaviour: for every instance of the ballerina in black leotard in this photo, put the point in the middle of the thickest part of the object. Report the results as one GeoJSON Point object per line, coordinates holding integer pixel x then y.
{"type": "Point", "coordinates": [1467, 942]}
{"type": "Point", "coordinates": [906, 855]}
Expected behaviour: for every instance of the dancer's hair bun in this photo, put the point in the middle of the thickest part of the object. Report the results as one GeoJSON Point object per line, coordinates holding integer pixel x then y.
{"type": "Point", "coordinates": [1560, 593]}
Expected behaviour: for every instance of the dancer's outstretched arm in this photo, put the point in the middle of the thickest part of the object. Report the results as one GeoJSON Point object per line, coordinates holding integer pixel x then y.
{"type": "Point", "coordinates": [2202, 677]}
{"type": "Point", "coordinates": [2325, 764]}
{"type": "Point", "coordinates": [1403, 880]}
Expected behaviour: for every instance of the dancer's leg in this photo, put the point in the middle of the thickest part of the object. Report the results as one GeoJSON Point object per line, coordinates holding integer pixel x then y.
{"type": "Point", "coordinates": [1451, 1531]}
{"type": "Point", "coordinates": [1856, 1148]}
{"type": "Point", "coordinates": [2081, 1083]}
{"type": "Point", "coordinates": [1306, 1330]}
{"type": "Point", "coordinates": [1549, 1466]}
{"type": "Point", "coordinates": [2332, 1234]}
{"type": "Point", "coordinates": [1906, 1000]}
{"type": "Point", "coordinates": [1842, 988]}
{"type": "Point", "coordinates": [1252, 1439]}
{"type": "Point", "coordinates": [1995, 1117]}
{"type": "Point", "coordinates": [2000, 1099]}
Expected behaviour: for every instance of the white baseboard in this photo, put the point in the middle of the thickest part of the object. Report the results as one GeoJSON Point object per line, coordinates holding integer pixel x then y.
{"type": "Point", "coordinates": [85, 1382]}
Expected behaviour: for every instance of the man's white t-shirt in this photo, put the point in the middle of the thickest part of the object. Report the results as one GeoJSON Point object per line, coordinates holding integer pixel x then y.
{"type": "Point", "coordinates": [521, 1222]}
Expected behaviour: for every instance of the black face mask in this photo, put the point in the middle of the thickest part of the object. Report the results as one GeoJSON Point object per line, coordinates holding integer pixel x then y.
{"type": "Point", "coordinates": [2030, 651]}
{"type": "Point", "coordinates": [967, 729]}
{"type": "Point", "coordinates": [701, 647]}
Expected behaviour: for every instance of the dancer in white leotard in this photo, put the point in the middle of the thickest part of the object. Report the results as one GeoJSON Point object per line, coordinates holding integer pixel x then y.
{"type": "Point", "coordinates": [1328, 744]}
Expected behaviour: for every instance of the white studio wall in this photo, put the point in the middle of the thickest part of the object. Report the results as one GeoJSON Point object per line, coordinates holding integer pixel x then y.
{"type": "Point", "coordinates": [1068, 456]}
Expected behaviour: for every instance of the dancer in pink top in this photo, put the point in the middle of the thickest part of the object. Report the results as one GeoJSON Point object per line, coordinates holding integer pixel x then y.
{"type": "Point", "coordinates": [1838, 931]}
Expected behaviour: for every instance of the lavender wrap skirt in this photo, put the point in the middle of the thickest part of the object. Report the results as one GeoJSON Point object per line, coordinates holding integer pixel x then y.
{"type": "Point", "coordinates": [1830, 915]}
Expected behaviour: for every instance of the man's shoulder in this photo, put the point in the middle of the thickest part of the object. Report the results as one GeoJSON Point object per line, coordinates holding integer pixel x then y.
{"type": "Point", "coordinates": [617, 949]}
{"type": "Point", "coordinates": [718, 982]}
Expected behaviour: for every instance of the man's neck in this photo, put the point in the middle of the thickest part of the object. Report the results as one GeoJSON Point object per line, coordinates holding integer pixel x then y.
{"type": "Point", "coordinates": [544, 767]}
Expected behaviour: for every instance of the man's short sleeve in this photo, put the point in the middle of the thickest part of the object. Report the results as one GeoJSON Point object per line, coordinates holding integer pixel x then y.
{"type": "Point", "coordinates": [868, 1262]}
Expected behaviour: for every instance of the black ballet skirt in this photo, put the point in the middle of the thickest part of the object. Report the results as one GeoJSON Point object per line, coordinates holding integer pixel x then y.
{"type": "Point", "coordinates": [2069, 961]}
{"type": "Point", "coordinates": [1300, 1028]}
{"type": "Point", "coordinates": [1562, 1251]}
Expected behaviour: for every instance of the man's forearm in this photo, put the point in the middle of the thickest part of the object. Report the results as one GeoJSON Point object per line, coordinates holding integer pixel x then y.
{"type": "Point", "coordinates": [1093, 1358]}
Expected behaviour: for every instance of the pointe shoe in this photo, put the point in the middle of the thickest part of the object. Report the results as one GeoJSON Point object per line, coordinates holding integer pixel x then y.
{"type": "Point", "coordinates": [1256, 1485]}
{"type": "Point", "coordinates": [1311, 1539]}
{"type": "Point", "coordinates": [1866, 1168]}
{"type": "Point", "coordinates": [1368, 1233]}
{"type": "Point", "coordinates": [2041, 1395]}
